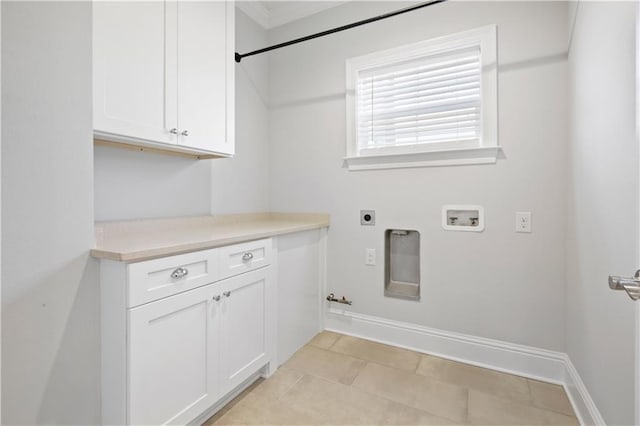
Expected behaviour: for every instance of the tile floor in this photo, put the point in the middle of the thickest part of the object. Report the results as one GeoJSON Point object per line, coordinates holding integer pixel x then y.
{"type": "Point", "coordinates": [342, 380]}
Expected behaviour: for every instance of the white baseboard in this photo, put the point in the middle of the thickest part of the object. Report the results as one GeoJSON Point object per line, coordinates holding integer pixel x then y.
{"type": "Point", "coordinates": [583, 405]}
{"type": "Point", "coordinates": [525, 361]}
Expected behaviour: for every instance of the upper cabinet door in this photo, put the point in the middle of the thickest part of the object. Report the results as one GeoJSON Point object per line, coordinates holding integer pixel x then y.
{"type": "Point", "coordinates": [206, 75]}
{"type": "Point", "coordinates": [134, 71]}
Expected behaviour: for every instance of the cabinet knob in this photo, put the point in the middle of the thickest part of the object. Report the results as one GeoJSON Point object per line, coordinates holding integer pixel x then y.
{"type": "Point", "coordinates": [227, 293]}
{"type": "Point", "coordinates": [173, 131]}
{"type": "Point", "coordinates": [216, 298]}
{"type": "Point", "coordinates": [185, 133]}
{"type": "Point", "coordinates": [180, 273]}
{"type": "Point", "coordinates": [247, 256]}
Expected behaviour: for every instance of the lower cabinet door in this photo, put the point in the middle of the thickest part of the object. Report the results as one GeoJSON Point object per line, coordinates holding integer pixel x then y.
{"type": "Point", "coordinates": [173, 358]}
{"type": "Point", "coordinates": [243, 327]}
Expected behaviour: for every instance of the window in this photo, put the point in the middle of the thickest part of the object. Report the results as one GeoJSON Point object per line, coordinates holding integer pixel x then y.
{"type": "Point", "coordinates": [429, 103]}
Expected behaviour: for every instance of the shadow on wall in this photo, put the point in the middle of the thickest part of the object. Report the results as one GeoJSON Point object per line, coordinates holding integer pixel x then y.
{"type": "Point", "coordinates": [134, 185]}
{"type": "Point", "coordinates": [502, 68]}
{"type": "Point", "coordinates": [59, 329]}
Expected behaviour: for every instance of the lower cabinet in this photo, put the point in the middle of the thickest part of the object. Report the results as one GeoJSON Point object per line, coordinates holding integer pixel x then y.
{"type": "Point", "coordinates": [173, 358]}
{"type": "Point", "coordinates": [170, 361]}
{"type": "Point", "coordinates": [243, 347]}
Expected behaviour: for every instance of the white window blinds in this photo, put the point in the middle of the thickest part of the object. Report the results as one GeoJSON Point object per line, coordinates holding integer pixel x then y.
{"type": "Point", "coordinates": [431, 99]}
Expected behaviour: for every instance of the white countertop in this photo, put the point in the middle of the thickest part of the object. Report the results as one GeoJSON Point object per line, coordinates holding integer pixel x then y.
{"type": "Point", "coordinates": [133, 241]}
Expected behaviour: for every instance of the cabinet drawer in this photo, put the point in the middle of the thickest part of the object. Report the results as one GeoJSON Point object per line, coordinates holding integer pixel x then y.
{"type": "Point", "coordinates": [244, 257]}
{"type": "Point", "coordinates": [158, 278]}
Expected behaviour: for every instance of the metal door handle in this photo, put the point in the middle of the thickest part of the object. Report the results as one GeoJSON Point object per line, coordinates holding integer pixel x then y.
{"type": "Point", "coordinates": [173, 131]}
{"type": "Point", "coordinates": [630, 285]}
{"type": "Point", "coordinates": [216, 298]}
{"type": "Point", "coordinates": [227, 293]}
{"type": "Point", "coordinates": [185, 133]}
{"type": "Point", "coordinates": [247, 256]}
{"type": "Point", "coordinates": [180, 272]}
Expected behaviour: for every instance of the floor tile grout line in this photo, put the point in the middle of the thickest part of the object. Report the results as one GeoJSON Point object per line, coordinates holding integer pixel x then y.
{"type": "Point", "coordinates": [534, 402]}
{"type": "Point", "coordinates": [357, 374]}
{"type": "Point", "coordinates": [358, 389]}
{"type": "Point", "coordinates": [364, 363]}
{"type": "Point", "coordinates": [528, 403]}
{"type": "Point", "coordinates": [378, 363]}
{"type": "Point", "coordinates": [521, 403]}
{"type": "Point", "coordinates": [466, 417]}
{"type": "Point", "coordinates": [368, 360]}
{"type": "Point", "coordinates": [421, 356]}
{"type": "Point", "coordinates": [428, 377]}
{"type": "Point", "coordinates": [418, 366]}
{"type": "Point", "coordinates": [400, 404]}
{"type": "Point", "coordinates": [340, 336]}
{"type": "Point", "coordinates": [306, 373]}
{"type": "Point", "coordinates": [366, 391]}
{"type": "Point", "coordinates": [350, 385]}
{"type": "Point", "coordinates": [293, 385]}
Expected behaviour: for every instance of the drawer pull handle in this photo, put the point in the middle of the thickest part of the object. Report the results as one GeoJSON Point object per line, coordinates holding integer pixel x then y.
{"type": "Point", "coordinates": [247, 256]}
{"type": "Point", "coordinates": [179, 273]}
{"type": "Point", "coordinates": [216, 298]}
{"type": "Point", "coordinates": [227, 293]}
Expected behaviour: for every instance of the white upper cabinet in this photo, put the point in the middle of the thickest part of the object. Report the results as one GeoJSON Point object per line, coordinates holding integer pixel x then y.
{"type": "Point", "coordinates": [164, 75]}
{"type": "Point", "coordinates": [203, 94]}
{"type": "Point", "coordinates": [129, 46]}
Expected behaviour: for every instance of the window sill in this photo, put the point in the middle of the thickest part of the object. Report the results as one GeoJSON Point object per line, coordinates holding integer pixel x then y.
{"type": "Point", "coordinates": [450, 157]}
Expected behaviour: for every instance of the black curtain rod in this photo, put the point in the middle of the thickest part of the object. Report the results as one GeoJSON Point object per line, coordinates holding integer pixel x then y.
{"type": "Point", "coordinates": [338, 29]}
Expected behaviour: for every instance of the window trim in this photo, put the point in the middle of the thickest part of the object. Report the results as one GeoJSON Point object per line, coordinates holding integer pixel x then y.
{"type": "Point", "coordinates": [440, 153]}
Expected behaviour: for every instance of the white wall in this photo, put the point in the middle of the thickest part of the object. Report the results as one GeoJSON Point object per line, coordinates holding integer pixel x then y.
{"type": "Point", "coordinates": [50, 312]}
{"type": "Point", "coordinates": [602, 210]}
{"type": "Point", "coordinates": [134, 185]}
{"type": "Point", "coordinates": [241, 184]}
{"type": "Point", "coordinates": [514, 283]}
{"type": "Point", "coordinates": [50, 329]}
{"type": "Point", "coordinates": [495, 284]}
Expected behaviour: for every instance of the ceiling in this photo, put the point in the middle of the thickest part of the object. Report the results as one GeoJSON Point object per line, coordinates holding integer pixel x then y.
{"type": "Point", "coordinates": [271, 14]}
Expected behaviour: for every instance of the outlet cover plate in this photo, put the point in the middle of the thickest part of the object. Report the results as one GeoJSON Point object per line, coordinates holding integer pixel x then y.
{"type": "Point", "coordinates": [523, 222]}
{"type": "Point", "coordinates": [367, 217]}
{"type": "Point", "coordinates": [370, 256]}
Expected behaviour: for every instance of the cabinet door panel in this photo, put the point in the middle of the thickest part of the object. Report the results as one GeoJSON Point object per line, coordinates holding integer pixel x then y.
{"type": "Point", "coordinates": [130, 46]}
{"type": "Point", "coordinates": [172, 358]}
{"type": "Point", "coordinates": [243, 325]}
{"type": "Point", "coordinates": [203, 58]}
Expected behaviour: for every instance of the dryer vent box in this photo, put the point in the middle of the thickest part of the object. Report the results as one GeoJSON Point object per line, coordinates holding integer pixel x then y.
{"type": "Point", "coordinates": [402, 264]}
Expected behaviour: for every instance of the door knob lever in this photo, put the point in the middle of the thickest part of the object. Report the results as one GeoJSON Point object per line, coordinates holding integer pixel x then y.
{"type": "Point", "coordinates": [630, 285]}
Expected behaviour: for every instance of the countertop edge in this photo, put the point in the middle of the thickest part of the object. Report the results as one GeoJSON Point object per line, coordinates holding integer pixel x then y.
{"type": "Point", "coordinates": [170, 250]}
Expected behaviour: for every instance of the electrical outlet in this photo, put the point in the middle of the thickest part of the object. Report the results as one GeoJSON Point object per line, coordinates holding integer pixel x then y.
{"type": "Point", "coordinates": [523, 222]}
{"type": "Point", "coordinates": [370, 256]}
{"type": "Point", "coordinates": [367, 217]}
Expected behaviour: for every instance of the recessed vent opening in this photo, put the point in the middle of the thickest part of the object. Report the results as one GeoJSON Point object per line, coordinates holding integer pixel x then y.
{"type": "Point", "coordinates": [402, 264]}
